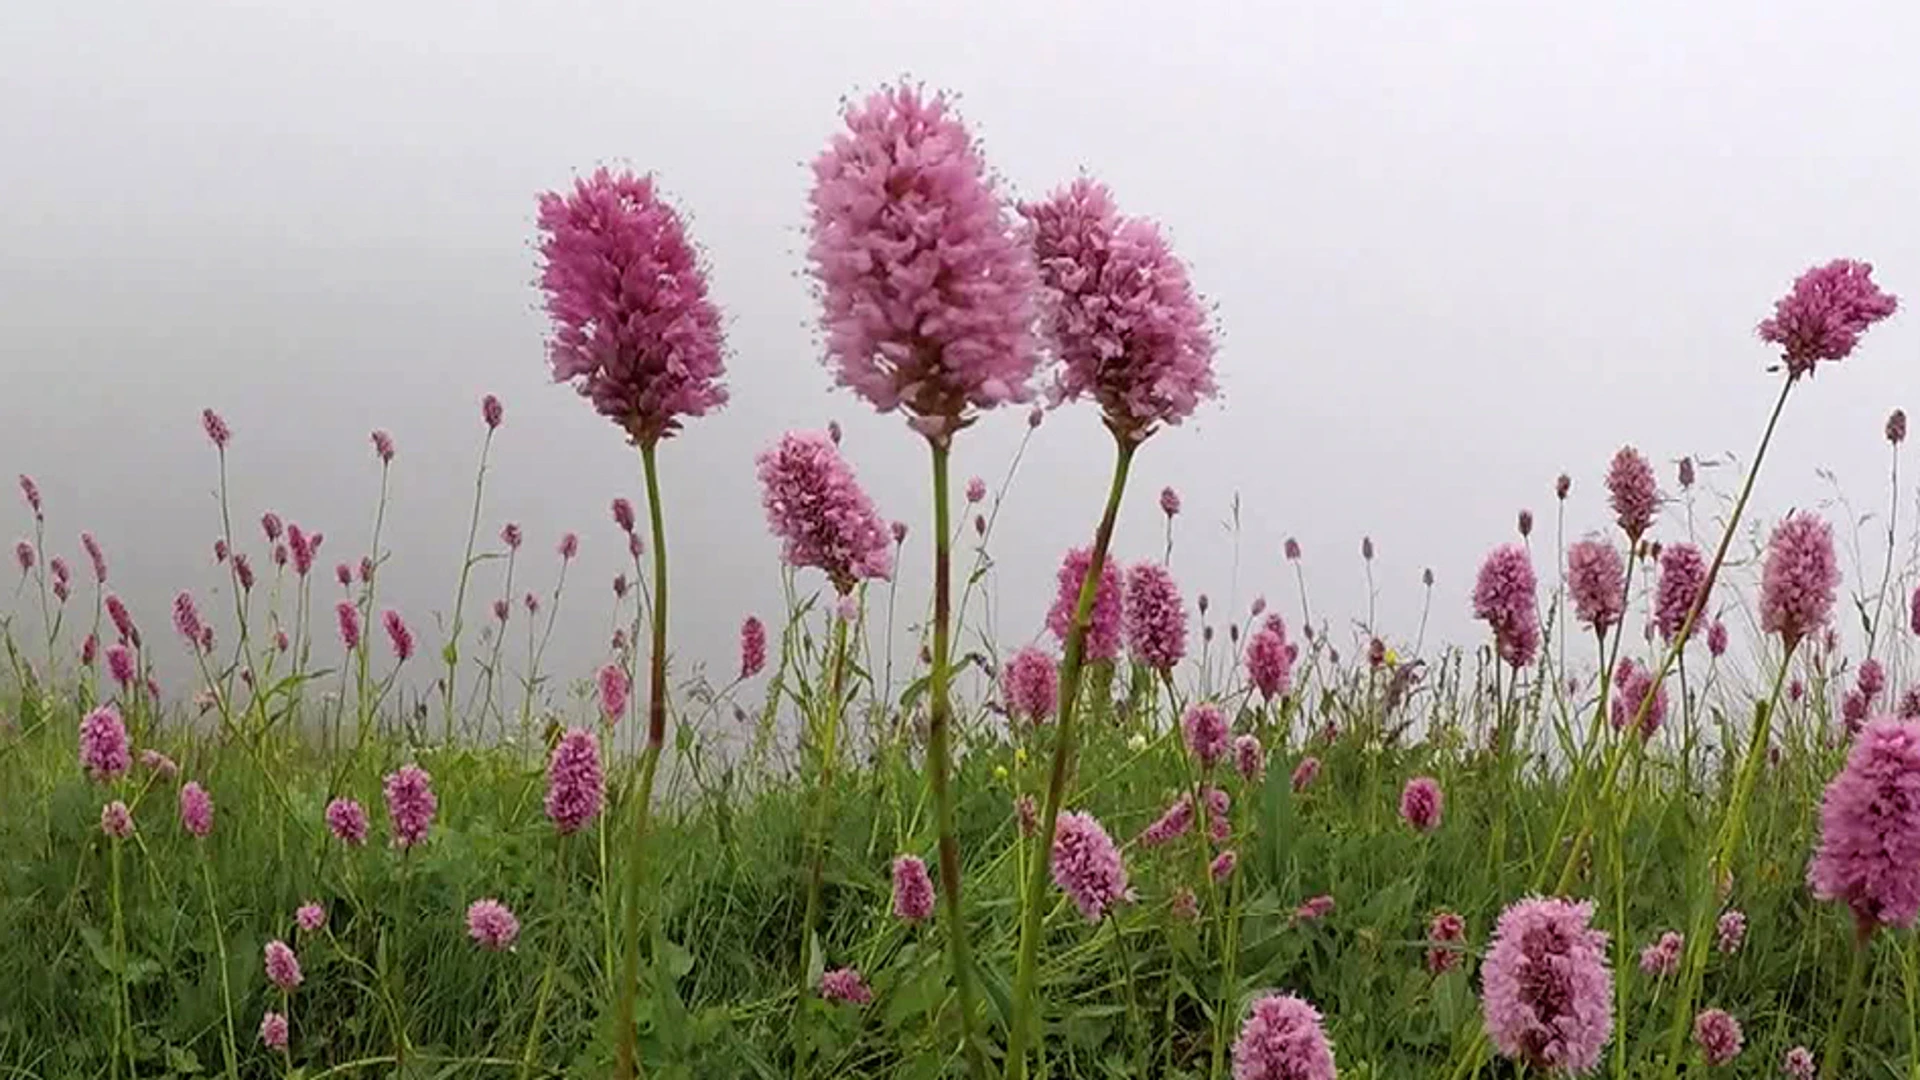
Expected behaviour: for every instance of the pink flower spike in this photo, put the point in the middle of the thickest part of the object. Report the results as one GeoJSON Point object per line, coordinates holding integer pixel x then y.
{"type": "Point", "coordinates": [104, 752]}
{"type": "Point", "coordinates": [310, 917]}
{"type": "Point", "coordinates": [576, 787]}
{"type": "Point", "coordinates": [349, 619]}
{"type": "Point", "coordinates": [753, 647]}
{"type": "Point", "coordinates": [283, 967]}
{"type": "Point", "coordinates": [1249, 757]}
{"type": "Point", "coordinates": [216, 428]}
{"type": "Point", "coordinates": [1104, 621]}
{"type": "Point", "coordinates": [383, 447]}
{"type": "Point", "coordinates": [1156, 618]}
{"type": "Point", "coordinates": [1030, 682]}
{"type": "Point", "coordinates": [1548, 993]}
{"type": "Point", "coordinates": [817, 509]}
{"type": "Point", "coordinates": [1204, 729]}
{"type": "Point", "coordinates": [845, 985]}
{"type": "Point", "coordinates": [492, 412]}
{"type": "Point", "coordinates": [1420, 804]}
{"type": "Point", "coordinates": [196, 810]}
{"type": "Point", "coordinates": [1633, 491]}
{"type": "Point", "coordinates": [1596, 577]}
{"type": "Point", "coordinates": [614, 687]}
{"type": "Point", "coordinates": [347, 820]}
{"type": "Point", "coordinates": [1087, 866]}
{"type": "Point", "coordinates": [1799, 578]}
{"type": "Point", "coordinates": [116, 820]}
{"type": "Point", "coordinates": [912, 889]}
{"type": "Point", "coordinates": [491, 924]}
{"type": "Point", "coordinates": [273, 1030]}
{"type": "Point", "coordinates": [1282, 1039]}
{"type": "Point", "coordinates": [1305, 773]}
{"type": "Point", "coordinates": [1824, 314]}
{"type": "Point", "coordinates": [1718, 1037]}
{"type": "Point", "coordinates": [1868, 857]}
{"type": "Point", "coordinates": [398, 636]}
{"type": "Point", "coordinates": [410, 804]}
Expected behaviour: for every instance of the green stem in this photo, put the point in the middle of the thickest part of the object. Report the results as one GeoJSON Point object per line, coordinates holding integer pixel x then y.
{"type": "Point", "coordinates": [829, 751]}
{"type": "Point", "coordinates": [122, 1013]}
{"type": "Point", "coordinates": [451, 654]}
{"type": "Point", "coordinates": [220, 946]}
{"type": "Point", "coordinates": [1849, 1009]}
{"type": "Point", "coordinates": [527, 1055]}
{"type": "Point", "coordinates": [1063, 747]}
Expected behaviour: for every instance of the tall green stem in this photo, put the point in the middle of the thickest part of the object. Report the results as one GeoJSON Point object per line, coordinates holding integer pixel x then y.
{"type": "Point", "coordinates": [829, 750]}
{"type": "Point", "coordinates": [626, 1064]}
{"type": "Point", "coordinates": [1063, 747]}
{"type": "Point", "coordinates": [940, 759]}
{"type": "Point", "coordinates": [1849, 1008]}
{"type": "Point", "coordinates": [220, 946]}
{"type": "Point", "coordinates": [451, 654]}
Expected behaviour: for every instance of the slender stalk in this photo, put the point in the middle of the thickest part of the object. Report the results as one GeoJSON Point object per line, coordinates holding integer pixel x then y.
{"type": "Point", "coordinates": [1886, 571]}
{"type": "Point", "coordinates": [451, 654]}
{"type": "Point", "coordinates": [122, 1011]}
{"type": "Point", "coordinates": [226, 989]}
{"type": "Point", "coordinates": [823, 798]}
{"type": "Point", "coordinates": [363, 655]}
{"type": "Point", "coordinates": [1070, 674]}
{"type": "Point", "coordinates": [1849, 1008]}
{"type": "Point", "coordinates": [527, 1055]}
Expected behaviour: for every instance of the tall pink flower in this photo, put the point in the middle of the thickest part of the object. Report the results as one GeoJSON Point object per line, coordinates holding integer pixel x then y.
{"type": "Point", "coordinates": [926, 293]}
{"type": "Point", "coordinates": [1156, 619]}
{"type": "Point", "coordinates": [623, 515]}
{"type": "Point", "coordinates": [1717, 1035]}
{"type": "Point", "coordinates": [614, 687]}
{"type": "Point", "coordinates": [820, 513]}
{"type": "Point", "coordinates": [97, 557]}
{"type": "Point", "coordinates": [347, 820]}
{"type": "Point", "coordinates": [1800, 576]}
{"type": "Point", "coordinates": [1717, 638]}
{"type": "Point", "coordinates": [1172, 823]}
{"type": "Point", "coordinates": [283, 967]}
{"type": "Point", "coordinates": [846, 986]}
{"type": "Point", "coordinates": [1204, 729]}
{"type": "Point", "coordinates": [1731, 931]}
{"type": "Point", "coordinates": [349, 619]}
{"type": "Point", "coordinates": [1169, 501]}
{"type": "Point", "coordinates": [1683, 583]}
{"type": "Point", "coordinates": [273, 1030]}
{"type": "Point", "coordinates": [30, 491]}
{"type": "Point", "coordinates": [633, 328]}
{"type": "Point", "coordinates": [576, 787]}
{"type": "Point", "coordinates": [120, 664]}
{"type": "Point", "coordinates": [216, 428]}
{"type": "Point", "coordinates": [1087, 866]}
{"type": "Point", "coordinates": [912, 889]}
{"type": "Point", "coordinates": [1305, 773]}
{"type": "Point", "coordinates": [1869, 852]}
{"type": "Point", "coordinates": [491, 925]}
{"type": "Point", "coordinates": [1281, 1039]}
{"type": "Point", "coordinates": [1824, 315]}
{"type": "Point", "coordinates": [196, 810]}
{"type": "Point", "coordinates": [1504, 597]}
{"type": "Point", "coordinates": [1270, 662]}
{"type": "Point", "coordinates": [410, 804]}
{"type": "Point", "coordinates": [492, 413]}
{"type": "Point", "coordinates": [1596, 577]}
{"type": "Point", "coordinates": [383, 447]}
{"type": "Point", "coordinates": [1031, 683]}
{"type": "Point", "coordinates": [753, 647]}
{"type": "Point", "coordinates": [1124, 320]}
{"type": "Point", "coordinates": [186, 619]}
{"type": "Point", "coordinates": [104, 753]}
{"type": "Point", "coordinates": [1633, 492]}
{"type": "Point", "coordinates": [1421, 802]}
{"type": "Point", "coordinates": [1104, 621]}
{"type": "Point", "coordinates": [1662, 958]}
{"type": "Point", "coordinates": [1548, 993]}
{"type": "Point", "coordinates": [398, 636]}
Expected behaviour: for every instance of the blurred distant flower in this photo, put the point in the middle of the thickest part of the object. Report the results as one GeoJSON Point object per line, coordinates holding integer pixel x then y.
{"type": "Point", "coordinates": [491, 925]}
{"type": "Point", "coordinates": [383, 447]}
{"type": "Point", "coordinates": [1730, 931]}
{"type": "Point", "coordinates": [1718, 1036]}
{"type": "Point", "coordinates": [1204, 729]}
{"type": "Point", "coordinates": [347, 820]}
{"type": "Point", "coordinates": [1446, 933]}
{"type": "Point", "coordinates": [1169, 501]}
{"type": "Point", "coordinates": [273, 1030]}
{"type": "Point", "coordinates": [614, 687]}
{"type": "Point", "coordinates": [216, 428]}
{"type": "Point", "coordinates": [1420, 804]}
{"type": "Point", "coordinates": [753, 647]}
{"type": "Point", "coordinates": [492, 412]}
{"type": "Point", "coordinates": [398, 636]}
{"type": "Point", "coordinates": [1156, 618]}
{"type": "Point", "coordinates": [410, 804]}
{"type": "Point", "coordinates": [912, 889]}
{"type": "Point", "coordinates": [283, 967]}
{"type": "Point", "coordinates": [1030, 682]}
{"type": "Point", "coordinates": [104, 753]}
{"type": "Point", "coordinates": [1662, 958]}
{"type": "Point", "coordinates": [845, 985]}
{"type": "Point", "coordinates": [196, 810]}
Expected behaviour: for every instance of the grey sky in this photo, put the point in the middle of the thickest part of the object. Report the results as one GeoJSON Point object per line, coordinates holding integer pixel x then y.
{"type": "Point", "coordinates": [1456, 248]}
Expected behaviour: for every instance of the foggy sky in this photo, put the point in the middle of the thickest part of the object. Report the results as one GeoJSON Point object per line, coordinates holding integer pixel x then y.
{"type": "Point", "coordinates": [1455, 249]}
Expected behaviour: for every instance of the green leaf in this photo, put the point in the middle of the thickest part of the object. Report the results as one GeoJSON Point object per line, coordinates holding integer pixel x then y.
{"type": "Point", "coordinates": [182, 1061]}
{"type": "Point", "coordinates": [102, 954]}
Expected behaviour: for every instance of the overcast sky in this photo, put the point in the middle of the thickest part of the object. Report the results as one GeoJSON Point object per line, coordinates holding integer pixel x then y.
{"type": "Point", "coordinates": [1455, 249]}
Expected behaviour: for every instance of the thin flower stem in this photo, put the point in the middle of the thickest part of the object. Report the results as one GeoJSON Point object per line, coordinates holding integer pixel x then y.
{"type": "Point", "coordinates": [1849, 1008]}
{"type": "Point", "coordinates": [122, 1011]}
{"type": "Point", "coordinates": [220, 946]}
{"type": "Point", "coordinates": [829, 750]}
{"type": "Point", "coordinates": [451, 654]}
{"type": "Point", "coordinates": [1070, 675]}
{"type": "Point", "coordinates": [528, 1055]}
{"type": "Point", "coordinates": [1886, 571]}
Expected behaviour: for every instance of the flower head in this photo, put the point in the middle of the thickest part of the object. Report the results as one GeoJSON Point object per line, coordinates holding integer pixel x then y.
{"type": "Point", "coordinates": [1445, 934]}
{"type": "Point", "coordinates": [1103, 626]}
{"type": "Point", "coordinates": [1824, 315]}
{"type": "Point", "coordinates": [97, 557]}
{"type": "Point", "coordinates": [845, 985]}
{"type": "Point", "coordinates": [310, 917]}
{"type": "Point", "coordinates": [116, 820]}
{"type": "Point", "coordinates": [491, 925]}
{"type": "Point", "coordinates": [1869, 852]}
{"type": "Point", "coordinates": [1730, 931]}
{"type": "Point", "coordinates": [410, 804]}
{"type": "Point", "coordinates": [186, 619]}
{"type": "Point", "coordinates": [1798, 1064]}
{"type": "Point", "coordinates": [820, 513]}
{"type": "Point", "coordinates": [912, 889]}
{"type": "Point", "coordinates": [1169, 501]}
{"type": "Point", "coordinates": [1633, 492]}
{"type": "Point", "coordinates": [1717, 638]}
{"type": "Point", "coordinates": [398, 636]}
{"type": "Point", "coordinates": [383, 447]}
{"type": "Point", "coordinates": [216, 427]}
{"type": "Point", "coordinates": [1305, 773]}
{"type": "Point", "coordinates": [1281, 1039]}
{"type": "Point", "coordinates": [273, 1030]}
{"type": "Point", "coordinates": [1596, 577]}
{"type": "Point", "coordinates": [575, 784]}
{"type": "Point", "coordinates": [510, 535]}
{"type": "Point", "coordinates": [104, 753]}
{"type": "Point", "coordinates": [1548, 994]}
{"type": "Point", "coordinates": [614, 687]}
{"type": "Point", "coordinates": [1504, 597]}
{"type": "Point", "coordinates": [1249, 757]}
{"type": "Point", "coordinates": [753, 647]}
{"type": "Point", "coordinates": [1421, 802]}
{"type": "Point", "coordinates": [1087, 866]}
{"type": "Point", "coordinates": [30, 491]}
{"type": "Point", "coordinates": [1662, 958]}
{"type": "Point", "coordinates": [926, 293]}
{"type": "Point", "coordinates": [1799, 579]}
{"type": "Point", "coordinates": [1270, 661]}
{"type": "Point", "coordinates": [1633, 683]}
{"type": "Point", "coordinates": [347, 820]}
{"type": "Point", "coordinates": [349, 619]}
{"type": "Point", "coordinates": [1204, 729]}
{"type": "Point", "coordinates": [196, 810]}
{"type": "Point", "coordinates": [1172, 823]}
{"type": "Point", "coordinates": [1156, 620]}
{"type": "Point", "coordinates": [1031, 683]}
{"type": "Point", "coordinates": [1717, 1035]}
{"type": "Point", "coordinates": [1683, 586]}
{"type": "Point", "coordinates": [283, 967]}
{"type": "Point", "coordinates": [633, 328]}
{"type": "Point", "coordinates": [158, 764]}
{"type": "Point", "coordinates": [1314, 909]}
{"type": "Point", "coordinates": [492, 412]}
{"type": "Point", "coordinates": [1222, 866]}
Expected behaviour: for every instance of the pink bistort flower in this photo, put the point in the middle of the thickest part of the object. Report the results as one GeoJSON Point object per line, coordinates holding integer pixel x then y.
{"type": "Point", "coordinates": [116, 820]}
{"type": "Point", "coordinates": [912, 889]}
{"type": "Point", "coordinates": [1504, 597]}
{"type": "Point", "coordinates": [273, 1030]}
{"type": "Point", "coordinates": [845, 985]}
{"type": "Point", "coordinates": [1446, 934]}
{"type": "Point", "coordinates": [1421, 802]}
{"type": "Point", "coordinates": [753, 647]}
{"type": "Point", "coordinates": [1172, 823]}
{"type": "Point", "coordinates": [1868, 857]}
{"type": "Point", "coordinates": [614, 687]}
{"type": "Point", "coordinates": [1087, 865]}
{"type": "Point", "coordinates": [491, 925]}
{"type": "Point", "coordinates": [1249, 757]}
{"type": "Point", "coordinates": [1825, 313]}
{"type": "Point", "coordinates": [1683, 583]}
{"type": "Point", "coordinates": [398, 636]}
{"type": "Point", "coordinates": [104, 753]}
{"type": "Point", "coordinates": [196, 810]}
{"type": "Point", "coordinates": [410, 804]}
{"type": "Point", "coordinates": [1632, 685]}
{"type": "Point", "coordinates": [633, 327]}
{"type": "Point", "coordinates": [1717, 1035]}
{"type": "Point", "coordinates": [349, 618]}
{"type": "Point", "coordinates": [1730, 931]}
{"type": "Point", "coordinates": [1800, 576]}
{"type": "Point", "coordinates": [1104, 621]}
{"type": "Point", "coordinates": [1633, 492]}
{"type": "Point", "coordinates": [1798, 1064]}
{"type": "Point", "coordinates": [1156, 619]}
{"type": "Point", "coordinates": [216, 427]}
{"type": "Point", "coordinates": [1281, 1039]}
{"type": "Point", "coordinates": [97, 557]}
{"type": "Point", "coordinates": [1222, 866]}
{"type": "Point", "coordinates": [1270, 661]}
{"type": "Point", "coordinates": [1548, 993]}
{"type": "Point", "coordinates": [1204, 729]}
{"type": "Point", "coordinates": [1662, 958]}
{"type": "Point", "coordinates": [1169, 502]}
{"type": "Point", "coordinates": [818, 510]}
{"type": "Point", "coordinates": [575, 785]}
{"type": "Point", "coordinates": [1031, 683]}
{"type": "Point", "coordinates": [1596, 577]}
{"type": "Point", "coordinates": [186, 619]}
{"type": "Point", "coordinates": [347, 821]}
{"type": "Point", "coordinates": [310, 917]}
{"type": "Point", "coordinates": [158, 764]}
{"type": "Point", "coordinates": [1305, 773]}
{"type": "Point", "coordinates": [283, 967]}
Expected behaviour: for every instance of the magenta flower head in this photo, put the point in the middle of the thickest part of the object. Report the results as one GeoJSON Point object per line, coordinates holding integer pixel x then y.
{"type": "Point", "coordinates": [1270, 662]}
{"type": "Point", "coordinates": [273, 1030]}
{"type": "Point", "coordinates": [1731, 931]}
{"type": "Point", "coordinates": [633, 328]}
{"type": "Point", "coordinates": [186, 619]}
{"type": "Point", "coordinates": [1662, 958]}
{"type": "Point", "coordinates": [1086, 865]}
{"type": "Point", "coordinates": [1631, 488]}
{"type": "Point", "coordinates": [1717, 1035]}
{"type": "Point", "coordinates": [104, 753]}
{"type": "Point", "coordinates": [1633, 682]}
{"type": "Point", "coordinates": [1292, 549]}
{"type": "Point", "coordinates": [1686, 471]}
{"type": "Point", "coordinates": [614, 687]}
{"type": "Point", "coordinates": [347, 820]}
{"type": "Point", "coordinates": [1868, 857]}
{"type": "Point", "coordinates": [1031, 683]}
{"type": "Point", "coordinates": [1421, 802]}
{"type": "Point", "coordinates": [1204, 729]}
{"type": "Point", "coordinates": [216, 428]}
{"type": "Point", "coordinates": [912, 889]}
{"type": "Point", "coordinates": [820, 513]}
{"type": "Point", "coordinates": [1446, 933]}
{"type": "Point", "coordinates": [1548, 993]}
{"type": "Point", "coordinates": [1103, 629]}
{"type": "Point", "coordinates": [310, 917]}
{"type": "Point", "coordinates": [159, 764]}
{"type": "Point", "coordinates": [1156, 619]}
{"type": "Point", "coordinates": [196, 810]}
{"type": "Point", "coordinates": [383, 447]}
{"type": "Point", "coordinates": [349, 618]}
{"type": "Point", "coordinates": [1249, 757]}
{"type": "Point", "coordinates": [845, 985]}
{"type": "Point", "coordinates": [1798, 1064]}
{"type": "Point", "coordinates": [623, 515]}
{"type": "Point", "coordinates": [1897, 426]}
{"type": "Point", "coordinates": [568, 547]}
{"type": "Point", "coordinates": [1305, 773]}
{"type": "Point", "coordinates": [410, 804]}
{"type": "Point", "coordinates": [116, 820]}
{"type": "Point", "coordinates": [576, 788]}
{"type": "Point", "coordinates": [492, 412]}
{"type": "Point", "coordinates": [1526, 524]}
{"type": "Point", "coordinates": [1223, 864]}
{"type": "Point", "coordinates": [283, 967]}
{"type": "Point", "coordinates": [1717, 638]}
{"type": "Point", "coordinates": [976, 490]}
{"type": "Point", "coordinates": [243, 571]}
{"type": "Point", "coordinates": [926, 292]}
{"type": "Point", "coordinates": [272, 526]}
{"type": "Point", "coordinates": [1798, 581]}
{"type": "Point", "coordinates": [753, 647]}
{"type": "Point", "coordinates": [491, 925]}
{"type": "Point", "coordinates": [1824, 315]}
{"type": "Point", "coordinates": [1683, 585]}
{"type": "Point", "coordinates": [30, 491]}
{"type": "Point", "coordinates": [1596, 577]}
{"type": "Point", "coordinates": [1504, 597]}
{"type": "Point", "coordinates": [343, 574]}
{"type": "Point", "coordinates": [303, 548]}
{"type": "Point", "coordinates": [1281, 1039]}
{"type": "Point", "coordinates": [1314, 909]}
{"type": "Point", "coordinates": [398, 636]}
{"type": "Point", "coordinates": [120, 664]}
{"type": "Point", "coordinates": [1872, 678]}
{"type": "Point", "coordinates": [510, 536]}
{"type": "Point", "coordinates": [97, 557]}
{"type": "Point", "coordinates": [1169, 501]}
{"type": "Point", "coordinates": [1172, 823]}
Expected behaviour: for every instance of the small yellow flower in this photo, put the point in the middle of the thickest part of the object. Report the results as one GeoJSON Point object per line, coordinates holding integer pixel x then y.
{"type": "Point", "coordinates": [1393, 658]}
{"type": "Point", "coordinates": [1020, 756]}
{"type": "Point", "coordinates": [999, 772]}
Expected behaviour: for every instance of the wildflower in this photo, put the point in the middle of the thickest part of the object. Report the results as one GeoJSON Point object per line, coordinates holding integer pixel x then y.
{"type": "Point", "coordinates": [1634, 683]}
{"type": "Point", "coordinates": [1185, 906]}
{"type": "Point", "coordinates": [1291, 549]}
{"type": "Point", "coordinates": [216, 428]}
{"type": "Point", "coordinates": [1223, 864]}
{"type": "Point", "coordinates": [410, 804]}
{"type": "Point", "coordinates": [398, 636]}
{"type": "Point", "coordinates": [158, 764]}
{"type": "Point", "coordinates": [97, 557]}
{"type": "Point", "coordinates": [1031, 683]}
{"type": "Point", "coordinates": [899, 529]}
{"type": "Point", "coordinates": [116, 821]}
{"type": "Point", "coordinates": [1686, 471]}
{"type": "Point", "coordinates": [1445, 934]}
{"type": "Point", "coordinates": [273, 1030]}
{"type": "Point", "coordinates": [1504, 597]}
{"type": "Point", "coordinates": [89, 650]}
{"type": "Point", "coordinates": [491, 925]}
{"type": "Point", "coordinates": [349, 618]}
{"type": "Point", "coordinates": [819, 512]}
{"type": "Point", "coordinates": [1631, 488]}
{"type": "Point", "coordinates": [1086, 865]}
{"type": "Point", "coordinates": [1910, 704]}
{"type": "Point", "coordinates": [575, 785]}
{"type": "Point", "coordinates": [1026, 814]}
{"type": "Point", "coordinates": [1136, 742]}
{"type": "Point", "coordinates": [1597, 579]}
{"type": "Point", "coordinates": [1172, 823]}
{"type": "Point", "coordinates": [310, 917]}
{"type": "Point", "coordinates": [492, 412]}
{"type": "Point", "coordinates": [1156, 623]}
{"type": "Point", "coordinates": [243, 571]}
{"type": "Point", "coordinates": [912, 889]}
{"type": "Point", "coordinates": [283, 967]}
{"type": "Point", "coordinates": [1249, 757]}
{"type": "Point", "coordinates": [633, 328]}
{"type": "Point", "coordinates": [1717, 1035]}
{"type": "Point", "coordinates": [1218, 805]}
{"type": "Point", "coordinates": [1204, 729]}
{"type": "Point", "coordinates": [1548, 994]}
{"type": "Point", "coordinates": [753, 647]}
{"type": "Point", "coordinates": [1662, 958]}
{"type": "Point", "coordinates": [1897, 426]}
{"type": "Point", "coordinates": [623, 515]}
{"type": "Point", "coordinates": [568, 547]}
{"type": "Point", "coordinates": [510, 536]}
{"type": "Point", "coordinates": [1730, 931]}
{"type": "Point", "coordinates": [1869, 852]}
{"type": "Point", "coordinates": [1421, 802]}
{"type": "Point", "coordinates": [196, 810]}
{"type": "Point", "coordinates": [620, 586]}
{"type": "Point", "coordinates": [280, 641]}
{"type": "Point", "coordinates": [1034, 416]}
{"type": "Point", "coordinates": [186, 619]}
{"type": "Point", "coordinates": [1269, 663]}
{"type": "Point", "coordinates": [30, 491]}
{"type": "Point", "coordinates": [1872, 678]}
{"type": "Point", "coordinates": [1798, 1064]}
{"type": "Point", "coordinates": [1103, 626]}
{"type": "Point", "coordinates": [845, 985]}
{"type": "Point", "coordinates": [1717, 638]}
{"type": "Point", "coordinates": [976, 490]}
{"type": "Point", "coordinates": [1282, 1039]}
{"type": "Point", "coordinates": [1683, 585]}
{"type": "Point", "coordinates": [383, 447]}
{"type": "Point", "coordinates": [1798, 582]}
{"type": "Point", "coordinates": [104, 753]}
{"type": "Point", "coordinates": [347, 820]}
{"type": "Point", "coordinates": [1824, 314]}
{"type": "Point", "coordinates": [614, 687]}
{"type": "Point", "coordinates": [1169, 501]}
{"type": "Point", "coordinates": [1305, 773]}
{"type": "Point", "coordinates": [303, 548]}
{"type": "Point", "coordinates": [272, 526]}
{"type": "Point", "coordinates": [1314, 910]}
{"type": "Point", "coordinates": [1526, 524]}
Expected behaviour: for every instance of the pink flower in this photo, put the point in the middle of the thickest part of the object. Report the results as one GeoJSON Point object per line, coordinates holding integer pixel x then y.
{"type": "Point", "coordinates": [186, 619]}
{"type": "Point", "coordinates": [1292, 549]}
{"type": "Point", "coordinates": [1087, 866]}
{"type": "Point", "coordinates": [576, 787]}
{"type": "Point", "coordinates": [1731, 931]}
{"type": "Point", "coordinates": [1632, 683]}
{"type": "Point", "coordinates": [303, 548]}
{"type": "Point", "coordinates": [492, 412]}
{"type": "Point", "coordinates": [1031, 683]}
{"type": "Point", "coordinates": [1305, 773]}
{"type": "Point", "coordinates": [1204, 729]}
{"type": "Point", "coordinates": [912, 889]}
{"type": "Point", "coordinates": [398, 636]}
{"type": "Point", "coordinates": [845, 985]}
{"type": "Point", "coordinates": [1172, 823]}
{"type": "Point", "coordinates": [280, 641]}
{"type": "Point", "coordinates": [158, 764]}
{"type": "Point", "coordinates": [1548, 994]}
{"type": "Point", "coordinates": [976, 490]}
{"type": "Point", "coordinates": [1249, 758]}
{"type": "Point", "coordinates": [96, 556]}
{"type": "Point", "coordinates": [1156, 621]}
{"type": "Point", "coordinates": [1445, 934]}
{"type": "Point", "coordinates": [927, 295]}
{"type": "Point", "coordinates": [1218, 804]}
{"type": "Point", "coordinates": [243, 571]}
{"type": "Point", "coordinates": [1662, 958]}
{"type": "Point", "coordinates": [271, 525]}
{"type": "Point", "coordinates": [347, 820]}
{"type": "Point", "coordinates": [491, 925]}
{"type": "Point", "coordinates": [1798, 581]}
{"type": "Point", "coordinates": [1282, 1039]}
{"type": "Point", "coordinates": [1169, 501]}
{"type": "Point", "coordinates": [410, 804]}
{"type": "Point", "coordinates": [1270, 662]}
{"type": "Point", "coordinates": [1683, 584]}
{"type": "Point", "coordinates": [1717, 1035]}
{"type": "Point", "coordinates": [1798, 1064]}
{"type": "Point", "coordinates": [1633, 492]}
{"type": "Point", "coordinates": [273, 1030]}
{"type": "Point", "coordinates": [633, 328]}
{"type": "Point", "coordinates": [383, 447]}
{"type": "Point", "coordinates": [116, 820]}
{"type": "Point", "coordinates": [310, 917]}
{"type": "Point", "coordinates": [1872, 678]}
{"type": "Point", "coordinates": [819, 512]}
{"type": "Point", "coordinates": [1597, 579]}
{"type": "Point", "coordinates": [1869, 852]}
{"type": "Point", "coordinates": [283, 967]}
{"type": "Point", "coordinates": [1824, 315]}
{"type": "Point", "coordinates": [349, 617]}
{"type": "Point", "coordinates": [614, 687]}
{"type": "Point", "coordinates": [623, 515]}
{"type": "Point", "coordinates": [1223, 864]}
{"type": "Point", "coordinates": [1104, 621]}
{"type": "Point", "coordinates": [1121, 313]}
{"type": "Point", "coordinates": [30, 491]}
{"type": "Point", "coordinates": [1314, 910]}
{"type": "Point", "coordinates": [1717, 638]}
{"type": "Point", "coordinates": [104, 753]}
{"type": "Point", "coordinates": [1897, 426]}
{"type": "Point", "coordinates": [1421, 802]}
{"type": "Point", "coordinates": [196, 810]}
{"type": "Point", "coordinates": [753, 647]}
{"type": "Point", "coordinates": [216, 428]}
{"type": "Point", "coordinates": [1504, 597]}
{"type": "Point", "coordinates": [510, 536]}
